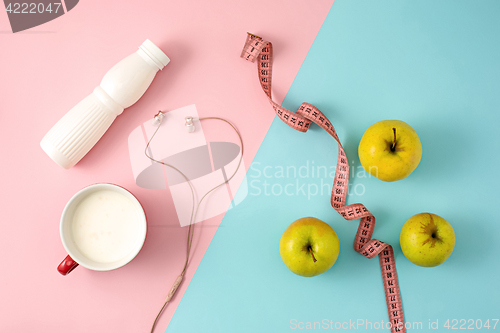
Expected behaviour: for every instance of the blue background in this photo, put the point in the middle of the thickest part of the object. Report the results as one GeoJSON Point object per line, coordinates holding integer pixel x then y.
{"type": "Point", "coordinates": [432, 64]}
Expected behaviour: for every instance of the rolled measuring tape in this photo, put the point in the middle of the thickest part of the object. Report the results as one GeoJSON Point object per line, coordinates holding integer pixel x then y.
{"type": "Point", "coordinates": [258, 49]}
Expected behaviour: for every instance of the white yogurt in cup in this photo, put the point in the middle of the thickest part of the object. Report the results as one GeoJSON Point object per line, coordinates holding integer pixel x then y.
{"type": "Point", "coordinates": [103, 227]}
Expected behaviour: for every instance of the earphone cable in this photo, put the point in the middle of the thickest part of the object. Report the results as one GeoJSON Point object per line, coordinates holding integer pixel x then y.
{"type": "Point", "coordinates": [194, 210]}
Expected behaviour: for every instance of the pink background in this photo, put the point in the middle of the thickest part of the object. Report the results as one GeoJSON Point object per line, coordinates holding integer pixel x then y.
{"type": "Point", "coordinates": [46, 70]}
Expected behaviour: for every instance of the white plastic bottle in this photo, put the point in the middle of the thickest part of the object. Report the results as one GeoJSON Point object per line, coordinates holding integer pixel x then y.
{"type": "Point", "coordinates": [79, 130]}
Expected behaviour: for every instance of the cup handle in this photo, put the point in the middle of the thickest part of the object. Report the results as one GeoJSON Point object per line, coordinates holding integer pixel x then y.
{"type": "Point", "coordinates": [67, 265]}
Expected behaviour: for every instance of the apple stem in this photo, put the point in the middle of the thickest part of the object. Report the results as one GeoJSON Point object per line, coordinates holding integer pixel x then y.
{"type": "Point", "coordinates": [394, 140]}
{"type": "Point", "coordinates": [310, 250]}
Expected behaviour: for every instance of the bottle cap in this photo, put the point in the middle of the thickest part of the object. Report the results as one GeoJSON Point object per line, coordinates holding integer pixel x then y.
{"type": "Point", "coordinates": [155, 53]}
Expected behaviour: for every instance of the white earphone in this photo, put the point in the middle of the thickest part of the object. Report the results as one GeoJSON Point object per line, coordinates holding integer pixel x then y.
{"type": "Point", "coordinates": [156, 121]}
{"type": "Point", "coordinates": [189, 124]}
{"type": "Point", "coordinates": [157, 118]}
{"type": "Point", "coordinates": [160, 115]}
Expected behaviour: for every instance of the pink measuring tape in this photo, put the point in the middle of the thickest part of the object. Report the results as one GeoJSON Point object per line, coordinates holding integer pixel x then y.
{"type": "Point", "coordinates": [258, 49]}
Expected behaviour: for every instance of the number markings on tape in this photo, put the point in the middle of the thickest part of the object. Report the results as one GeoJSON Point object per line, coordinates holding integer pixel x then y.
{"type": "Point", "coordinates": [258, 49]}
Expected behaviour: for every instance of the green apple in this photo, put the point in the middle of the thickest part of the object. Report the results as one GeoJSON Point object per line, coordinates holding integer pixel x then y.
{"type": "Point", "coordinates": [309, 247]}
{"type": "Point", "coordinates": [427, 239]}
{"type": "Point", "coordinates": [390, 150]}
